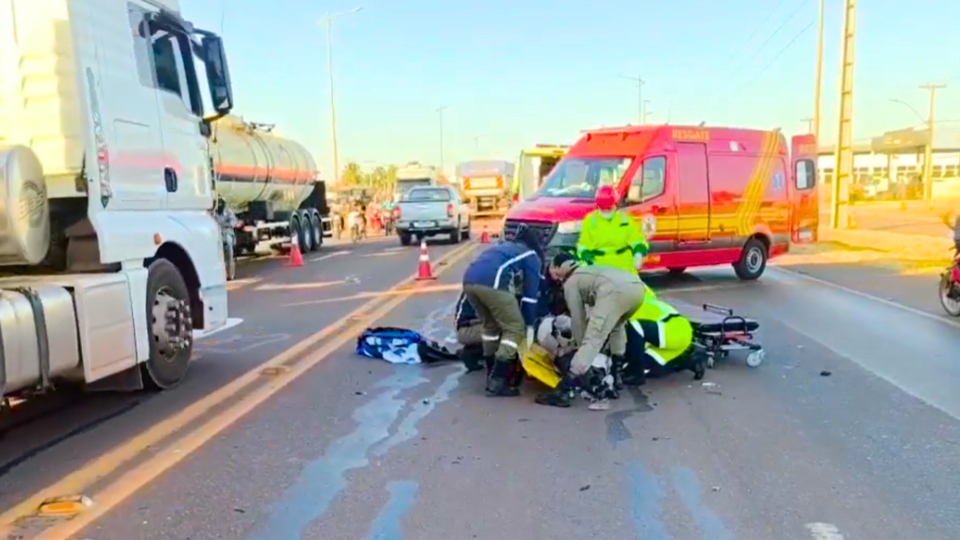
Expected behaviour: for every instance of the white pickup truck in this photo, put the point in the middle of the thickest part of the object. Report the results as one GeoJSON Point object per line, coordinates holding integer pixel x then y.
{"type": "Point", "coordinates": [425, 212]}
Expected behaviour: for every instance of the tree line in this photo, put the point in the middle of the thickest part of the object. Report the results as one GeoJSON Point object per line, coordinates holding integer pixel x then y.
{"type": "Point", "coordinates": [380, 179]}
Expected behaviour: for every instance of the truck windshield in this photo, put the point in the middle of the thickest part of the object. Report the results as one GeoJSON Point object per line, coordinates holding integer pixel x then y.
{"type": "Point", "coordinates": [405, 184]}
{"type": "Point", "coordinates": [579, 177]}
{"type": "Point", "coordinates": [423, 195]}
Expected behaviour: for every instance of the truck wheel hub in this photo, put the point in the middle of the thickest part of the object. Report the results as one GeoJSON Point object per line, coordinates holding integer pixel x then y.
{"type": "Point", "coordinates": [172, 325]}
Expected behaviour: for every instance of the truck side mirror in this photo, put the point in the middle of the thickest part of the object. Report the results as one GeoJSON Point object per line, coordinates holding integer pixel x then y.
{"type": "Point", "coordinates": [218, 74]}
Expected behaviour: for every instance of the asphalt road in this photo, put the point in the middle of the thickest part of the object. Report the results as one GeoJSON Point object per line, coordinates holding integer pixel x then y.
{"type": "Point", "coordinates": [849, 430]}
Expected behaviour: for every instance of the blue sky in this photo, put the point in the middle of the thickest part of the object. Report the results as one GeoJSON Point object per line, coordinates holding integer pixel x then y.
{"type": "Point", "coordinates": [518, 73]}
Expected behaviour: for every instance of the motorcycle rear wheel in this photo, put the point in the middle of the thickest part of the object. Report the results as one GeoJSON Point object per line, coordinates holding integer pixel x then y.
{"type": "Point", "coordinates": [949, 295]}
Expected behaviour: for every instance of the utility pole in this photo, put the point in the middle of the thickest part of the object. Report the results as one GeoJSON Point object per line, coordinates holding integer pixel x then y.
{"type": "Point", "coordinates": [440, 113]}
{"type": "Point", "coordinates": [817, 105]}
{"type": "Point", "coordinates": [843, 159]}
{"type": "Point", "coordinates": [646, 111]}
{"type": "Point", "coordinates": [328, 24]}
{"type": "Point", "coordinates": [928, 151]}
{"type": "Point", "coordinates": [638, 80]}
{"type": "Point", "coordinates": [809, 122]}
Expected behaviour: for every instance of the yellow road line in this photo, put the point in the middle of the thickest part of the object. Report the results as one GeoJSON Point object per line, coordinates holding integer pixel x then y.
{"type": "Point", "coordinates": [96, 469]}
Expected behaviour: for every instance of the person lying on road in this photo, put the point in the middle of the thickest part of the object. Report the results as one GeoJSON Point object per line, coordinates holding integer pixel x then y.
{"type": "Point", "coordinates": [613, 295]}
{"type": "Point", "coordinates": [488, 284]}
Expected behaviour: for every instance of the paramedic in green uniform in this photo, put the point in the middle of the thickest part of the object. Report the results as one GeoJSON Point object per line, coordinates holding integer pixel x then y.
{"type": "Point", "coordinates": [659, 339]}
{"type": "Point", "coordinates": [610, 237]}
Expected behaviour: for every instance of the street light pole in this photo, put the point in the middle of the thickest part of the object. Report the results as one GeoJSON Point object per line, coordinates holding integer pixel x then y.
{"type": "Point", "coordinates": [327, 22]}
{"type": "Point", "coordinates": [440, 113]}
{"type": "Point", "coordinates": [843, 158]}
{"type": "Point", "coordinates": [817, 106]}
{"type": "Point", "coordinates": [928, 153]}
{"type": "Point", "coordinates": [639, 82]}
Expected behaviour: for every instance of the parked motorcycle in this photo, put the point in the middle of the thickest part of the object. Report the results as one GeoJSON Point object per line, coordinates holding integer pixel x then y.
{"type": "Point", "coordinates": [950, 288]}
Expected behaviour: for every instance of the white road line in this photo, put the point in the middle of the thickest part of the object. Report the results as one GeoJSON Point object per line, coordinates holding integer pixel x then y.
{"type": "Point", "coordinates": [824, 531]}
{"type": "Point", "coordinates": [868, 296]}
{"type": "Point", "coordinates": [328, 256]}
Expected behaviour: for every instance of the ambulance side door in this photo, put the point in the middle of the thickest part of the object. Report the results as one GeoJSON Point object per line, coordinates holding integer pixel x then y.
{"type": "Point", "coordinates": [651, 201]}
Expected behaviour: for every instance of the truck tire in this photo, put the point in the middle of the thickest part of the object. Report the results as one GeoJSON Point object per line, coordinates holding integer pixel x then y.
{"type": "Point", "coordinates": [456, 235]}
{"type": "Point", "coordinates": [753, 260]}
{"type": "Point", "coordinates": [405, 239]}
{"type": "Point", "coordinates": [170, 326]}
{"type": "Point", "coordinates": [317, 230]}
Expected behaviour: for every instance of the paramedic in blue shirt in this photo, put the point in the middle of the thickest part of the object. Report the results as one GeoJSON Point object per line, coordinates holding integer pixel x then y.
{"type": "Point", "coordinates": [487, 284]}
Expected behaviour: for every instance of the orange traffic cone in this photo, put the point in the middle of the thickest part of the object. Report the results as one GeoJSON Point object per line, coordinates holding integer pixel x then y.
{"type": "Point", "coordinates": [424, 271]}
{"type": "Point", "coordinates": [296, 258]}
{"type": "Point", "coordinates": [484, 236]}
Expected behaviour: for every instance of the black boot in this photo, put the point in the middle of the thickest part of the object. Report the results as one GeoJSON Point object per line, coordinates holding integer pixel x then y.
{"type": "Point", "coordinates": [617, 365]}
{"type": "Point", "coordinates": [500, 379]}
{"type": "Point", "coordinates": [561, 396]}
{"type": "Point", "coordinates": [633, 374]}
{"type": "Point", "coordinates": [472, 357]}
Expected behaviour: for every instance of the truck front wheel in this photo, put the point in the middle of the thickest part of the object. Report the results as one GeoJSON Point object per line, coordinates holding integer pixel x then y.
{"type": "Point", "coordinates": [170, 326]}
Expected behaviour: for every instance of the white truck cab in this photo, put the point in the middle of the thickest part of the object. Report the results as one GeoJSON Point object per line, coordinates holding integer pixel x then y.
{"type": "Point", "coordinates": [110, 260]}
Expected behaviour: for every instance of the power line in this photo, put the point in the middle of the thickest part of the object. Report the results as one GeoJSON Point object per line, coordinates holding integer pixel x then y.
{"type": "Point", "coordinates": [775, 57]}
{"type": "Point", "coordinates": [757, 29]}
{"type": "Point", "coordinates": [783, 25]}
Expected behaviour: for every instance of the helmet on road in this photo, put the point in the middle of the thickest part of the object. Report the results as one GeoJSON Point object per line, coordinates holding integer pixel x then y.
{"type": "Point", "coordinates": [606, 199]}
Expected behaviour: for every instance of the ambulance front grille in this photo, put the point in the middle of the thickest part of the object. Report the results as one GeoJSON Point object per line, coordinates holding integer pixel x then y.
{"type": "Point", "coordinates": [544, 230]}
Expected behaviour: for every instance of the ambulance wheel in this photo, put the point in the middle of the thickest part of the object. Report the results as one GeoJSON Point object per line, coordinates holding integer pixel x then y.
{"type": "Point", "coordinates": [170, 326]}
{"type": "Point", "coordinates": [676, 270]}
{"type": "Point", "coordinates": [755, 358]}
{"type": "Point", "coordinates": [753, 260]}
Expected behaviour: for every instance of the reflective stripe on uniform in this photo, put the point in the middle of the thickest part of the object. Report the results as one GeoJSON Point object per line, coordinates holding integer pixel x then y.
{"type": "Point", "coordinates": [656, 356]}
{"type": "Point", "coordinates": [490, 338]}
{"type": "Point", "coordinates": [508, 343]}
{"type": "Point", "coordinates": [496, 280]}
{"type": "Point", "coordinates": [529, 300]}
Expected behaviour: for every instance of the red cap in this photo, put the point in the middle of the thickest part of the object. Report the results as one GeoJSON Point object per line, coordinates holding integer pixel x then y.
{"type": "Point", "coordinates": [606, 198]}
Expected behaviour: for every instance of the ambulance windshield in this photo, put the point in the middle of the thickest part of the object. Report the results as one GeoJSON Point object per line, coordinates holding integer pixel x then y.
{"type": "Point", "coordinates": [579, 177]}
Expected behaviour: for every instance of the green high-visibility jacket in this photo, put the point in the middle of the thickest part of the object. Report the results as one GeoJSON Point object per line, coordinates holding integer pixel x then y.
{"type": "Point", "coordinates": [611, 242]}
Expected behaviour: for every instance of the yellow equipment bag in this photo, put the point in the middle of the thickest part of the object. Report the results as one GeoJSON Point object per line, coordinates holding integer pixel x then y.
{"type": "Point", "coordinates": [539, 365]}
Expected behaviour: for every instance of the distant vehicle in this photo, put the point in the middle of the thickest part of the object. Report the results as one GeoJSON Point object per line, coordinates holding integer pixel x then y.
{"type": "Point", "coordinates": [416, 175]}
{"type": "Point", "coordinates": [487, 186]}
{"type": "Point", "coordinates": [425, 212]}
{"type": "Point", "coordinates": [111, 256]}
{"type": "Point", "coordinates": [533, 167]}
{"type": "Point", "coordinates": [703, 195]}
{"type": "Point", "coordinates": [272, 186]}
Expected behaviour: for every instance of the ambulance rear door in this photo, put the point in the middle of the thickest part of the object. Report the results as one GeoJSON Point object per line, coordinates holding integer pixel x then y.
{"type": "Point", "coordinates": [804, 200]}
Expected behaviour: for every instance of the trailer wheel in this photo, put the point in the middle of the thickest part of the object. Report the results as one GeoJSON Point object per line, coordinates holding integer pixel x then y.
{"type": "Point", "coordinates": [306, 245]}
{"type": "Point", "coordinates": [317, 230]}
{"type": "Point", "coordinates": [170, 326]}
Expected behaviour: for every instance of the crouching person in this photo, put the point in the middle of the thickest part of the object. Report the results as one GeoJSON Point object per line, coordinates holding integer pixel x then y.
{"type": "Point", "coordinates": [659, 340]}
{"type": "Point", "coordinates": [613, 295]}
{"type": "Point", "coordinates": [488, 283]}
{"type": "Point", "coordinates": [469, 334]}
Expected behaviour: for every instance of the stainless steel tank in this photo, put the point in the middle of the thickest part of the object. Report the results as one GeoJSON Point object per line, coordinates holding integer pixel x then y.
{"type": "Point", "coordinates": [252, 163]}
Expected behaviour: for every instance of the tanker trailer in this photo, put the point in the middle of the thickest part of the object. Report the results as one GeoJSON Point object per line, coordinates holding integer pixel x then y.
{"type": "Point", "coordinates": [272, 186]}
